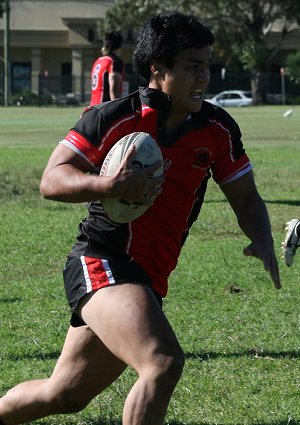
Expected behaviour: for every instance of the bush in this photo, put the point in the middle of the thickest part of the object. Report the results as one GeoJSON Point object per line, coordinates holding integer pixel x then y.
{"type": "Point", "coordinates": [47, 99]}
{"type": "Point", "coordinates": [29, 98]}
{"type": "Point", "coordinates": [296, 100]}
{"type": "Point", "coordinates": [25, 98]}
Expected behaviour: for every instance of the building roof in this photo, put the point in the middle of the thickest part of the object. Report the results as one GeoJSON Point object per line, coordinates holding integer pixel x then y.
{"type": "Point", "coordinates": [52, 15]}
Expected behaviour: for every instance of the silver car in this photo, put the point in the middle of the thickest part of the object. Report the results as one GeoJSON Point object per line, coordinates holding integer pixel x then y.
{"type": "Point", "coordinates": [232, 98]}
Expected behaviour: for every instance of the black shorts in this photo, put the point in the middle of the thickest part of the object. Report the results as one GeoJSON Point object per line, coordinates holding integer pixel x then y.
{"type": "Point", "coordinates": [83, 275]}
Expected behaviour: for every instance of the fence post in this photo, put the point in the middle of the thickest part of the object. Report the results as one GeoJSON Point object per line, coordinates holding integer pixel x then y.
{"type": "Point", "coordinates": [282, 73]}
{"type": "Point", "coordinates": [7, 53]}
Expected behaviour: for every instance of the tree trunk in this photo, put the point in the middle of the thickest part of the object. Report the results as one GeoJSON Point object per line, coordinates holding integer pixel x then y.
{"type": "Point", "coordinates": [258, 87]}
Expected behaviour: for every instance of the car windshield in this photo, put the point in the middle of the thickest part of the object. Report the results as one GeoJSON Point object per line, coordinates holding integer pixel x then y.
{"type": "Point", "coordinates": [248, 94]}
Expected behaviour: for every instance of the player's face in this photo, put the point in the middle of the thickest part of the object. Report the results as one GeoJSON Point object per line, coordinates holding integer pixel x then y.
{"type": "Point", "coordinates": [186, 82]}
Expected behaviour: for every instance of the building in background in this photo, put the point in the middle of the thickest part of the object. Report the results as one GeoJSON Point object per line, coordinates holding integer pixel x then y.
{"type": "Point", "coordinates": [53, 44]}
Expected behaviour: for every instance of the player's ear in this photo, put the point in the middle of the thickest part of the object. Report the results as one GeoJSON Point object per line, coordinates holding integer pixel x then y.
{"type": "Point", "coordinates": [157, 70]}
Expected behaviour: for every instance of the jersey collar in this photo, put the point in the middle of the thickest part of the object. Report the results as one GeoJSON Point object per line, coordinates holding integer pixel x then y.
{"type": "Point", "coordinates": [155, 99]}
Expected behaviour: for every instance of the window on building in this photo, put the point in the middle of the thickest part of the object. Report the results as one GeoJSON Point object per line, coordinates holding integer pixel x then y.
{"type": "Point", "coordinates": [91, 35]}
{"type": "Point", "coordinates": [66, 77]}
{"type": "Point", "coordinates": [20, 77]}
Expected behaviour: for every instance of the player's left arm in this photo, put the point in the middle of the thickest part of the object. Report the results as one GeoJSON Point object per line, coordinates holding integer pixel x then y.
{"type": "Point", "coordinates": [114, 80]}
{"type": "Point", "coordinates": [253, 219]}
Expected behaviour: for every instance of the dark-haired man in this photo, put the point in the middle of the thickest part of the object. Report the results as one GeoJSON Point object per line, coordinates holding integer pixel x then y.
{"type": "Point", "coordinates": [108, 70]}
{"type": "Point", "coordinates": [117, 274]}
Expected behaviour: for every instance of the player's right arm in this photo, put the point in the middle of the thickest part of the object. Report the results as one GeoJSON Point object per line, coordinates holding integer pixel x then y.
{"type": "Point", "coordinates": [68, 178]}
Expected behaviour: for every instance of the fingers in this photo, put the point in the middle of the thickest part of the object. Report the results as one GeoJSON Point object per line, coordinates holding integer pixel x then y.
{"type": "Point", "coordinates": [135, 183]}
{"type": "Point", "coordinates": [129, 154]}
{"type": "Point", "coordinates": [152, 185]}
{"type": "Point", "coordinates": [152, 190]}
{"type": "Point", "coordinates": [269, 261]}
{"type": "Point", "coordinates": [149, 200]}
{"type": "Point", "coordinates": [128, 159]}
{"type": "Point", "coordinates": [147, 171]}
{"type": "Point", "coordinates": [152, 168]}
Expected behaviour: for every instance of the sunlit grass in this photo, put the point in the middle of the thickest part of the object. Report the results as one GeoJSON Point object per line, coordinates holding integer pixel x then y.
{"type": "Point", "coordinates": [240, 336]}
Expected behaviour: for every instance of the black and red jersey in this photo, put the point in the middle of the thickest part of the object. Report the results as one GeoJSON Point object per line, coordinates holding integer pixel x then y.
{"type": "Point", "coordinates": [102, 67]}
{"type": "Point", "coordinates": [207, 143]}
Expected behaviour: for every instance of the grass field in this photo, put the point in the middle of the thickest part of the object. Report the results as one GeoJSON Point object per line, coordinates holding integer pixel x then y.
{"type": "Point", "coordinates": [242, 346]}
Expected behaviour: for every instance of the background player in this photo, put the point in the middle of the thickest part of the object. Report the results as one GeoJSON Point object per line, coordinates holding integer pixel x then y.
{"type": "Point", "coordinates": [108, 70]}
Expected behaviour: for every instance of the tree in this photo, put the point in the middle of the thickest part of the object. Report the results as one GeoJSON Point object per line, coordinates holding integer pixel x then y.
{"type": "Point", "coordinates": [1, 8]}
{"type": "Point", "coordinates": [242, 28]}
{"type": "Point", "coordinates": [293, 67]}
{"type": "Point", "coordinates": [125, 14]}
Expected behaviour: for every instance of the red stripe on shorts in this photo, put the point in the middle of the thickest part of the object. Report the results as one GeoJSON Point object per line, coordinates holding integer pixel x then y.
{"type": "Point", "coordinates": [97, 273]}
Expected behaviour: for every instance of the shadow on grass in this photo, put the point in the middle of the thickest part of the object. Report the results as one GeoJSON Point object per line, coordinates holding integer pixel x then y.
{"type": "Point", "coordinates": [118, 422]}
{"type": "Point", "coordinates": [203, 357]}
{"type": "Point", "coordinates": [34, 356]}
{"type": "Point", "coordinates": [9, 300]}
{"type": "Point", "coordinates": [291, 202]}
{"type": "Point", "coordinates": [293, 354]}
{"type": "Point", "coordinates": [283, 202]}
{"type": "Point", "coordinates": [283, 422]}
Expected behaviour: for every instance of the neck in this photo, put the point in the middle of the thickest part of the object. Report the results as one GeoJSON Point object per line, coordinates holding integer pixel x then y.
{"type": "Point", "coordinates": [173, 122]}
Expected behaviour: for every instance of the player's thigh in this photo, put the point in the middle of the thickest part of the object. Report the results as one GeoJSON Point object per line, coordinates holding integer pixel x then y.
{"type": "Point", "coordinates": [85, 367]}
{"type": "Point", "coordinates": [131, 323]}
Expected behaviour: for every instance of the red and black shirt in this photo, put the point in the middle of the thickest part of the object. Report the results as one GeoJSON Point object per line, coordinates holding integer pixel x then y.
{"type": "Point", "coordinates": [208, 143]}
{"type": "Point", "coordinates": [102, 67]}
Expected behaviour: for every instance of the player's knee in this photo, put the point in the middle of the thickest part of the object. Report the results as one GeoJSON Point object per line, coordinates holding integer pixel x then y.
{"type": "Point", "coordinates": [167, 370]}
{"type": "Point", "coordinates": [174, 368]}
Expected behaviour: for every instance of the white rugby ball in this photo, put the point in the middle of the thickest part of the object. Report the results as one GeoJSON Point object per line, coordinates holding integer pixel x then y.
{"type": "Point", "coordinates": [147, 152]}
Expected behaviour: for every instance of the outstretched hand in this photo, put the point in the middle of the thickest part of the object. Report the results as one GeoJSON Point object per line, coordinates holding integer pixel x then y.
{"type": "Point", "coordinates": [267, 256]}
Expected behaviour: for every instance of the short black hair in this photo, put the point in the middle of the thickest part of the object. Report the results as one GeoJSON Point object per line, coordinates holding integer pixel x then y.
{"type": "Point", "coordinates": [164, 36]}
{"type": "Point", "coordinates": [112, 40]}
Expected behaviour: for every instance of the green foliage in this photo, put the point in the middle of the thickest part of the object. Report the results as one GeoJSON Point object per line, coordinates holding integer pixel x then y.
{"type": "Point", "coordinates": [240, 335]}
{"type": "Point", "coordinates": [234, 23]}
{"type": "Point", "coordinates": [241, 28]}
{"type": "Point", "coordinates": [131, 14]}
{"type": "Point", "coordinates": [25, 98]}
{"type": "Point", "coordinates": [293, 67]}
{"type": "Point", "coordinates": [252, 55]}
{"type": "Point", "coordinates": [246, 25]}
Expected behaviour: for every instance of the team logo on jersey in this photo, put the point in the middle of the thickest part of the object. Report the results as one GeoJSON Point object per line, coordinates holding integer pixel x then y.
{"type": "Point", "coordinates": [167, 164]}
{"type": "Point", "coordinates": [202, 158]}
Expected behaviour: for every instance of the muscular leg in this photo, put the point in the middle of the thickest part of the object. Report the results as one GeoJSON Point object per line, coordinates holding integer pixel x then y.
{"type": "Point", "coordinates": [84, 369]}
{"type": "Point", "coordinates": [128, 319]}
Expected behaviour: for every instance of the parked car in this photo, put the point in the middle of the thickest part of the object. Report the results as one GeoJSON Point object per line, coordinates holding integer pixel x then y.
{"type": "Point", "coordinates": [232, 98]}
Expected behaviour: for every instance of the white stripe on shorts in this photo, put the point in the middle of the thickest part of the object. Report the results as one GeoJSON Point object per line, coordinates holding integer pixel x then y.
{"type": "Point", "coordinates": [86, 275]}
{"type": "Point", "coordinates": [108, 272]}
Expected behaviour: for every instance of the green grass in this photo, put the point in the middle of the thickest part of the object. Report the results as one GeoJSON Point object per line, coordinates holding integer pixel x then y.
{"type": "Point", "coordinates": [240, 336]}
